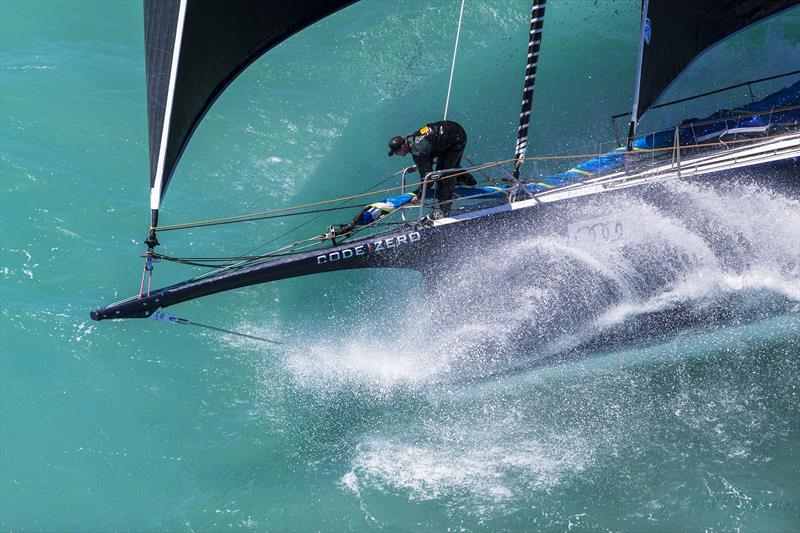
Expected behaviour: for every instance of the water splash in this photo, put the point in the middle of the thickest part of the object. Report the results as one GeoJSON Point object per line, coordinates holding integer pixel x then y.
{"type": "Point", "coordinates": [702, 255]}
{"type": "Point", "coordinates": [456, 400]}
{"type": "Point", "coordinates": [605, 426]}
{"type": "Point", "coordinates": [496, 464]}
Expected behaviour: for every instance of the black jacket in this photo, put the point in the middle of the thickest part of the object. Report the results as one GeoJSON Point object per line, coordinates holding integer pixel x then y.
{"type": "Point", "coordinates": [433, 140]}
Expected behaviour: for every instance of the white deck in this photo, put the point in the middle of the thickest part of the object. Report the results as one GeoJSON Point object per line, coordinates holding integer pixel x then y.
{"type": "Point", "coordinates": [774, 149]}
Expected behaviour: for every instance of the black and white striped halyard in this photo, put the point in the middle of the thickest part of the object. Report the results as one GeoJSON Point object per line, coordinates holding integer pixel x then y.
{"type": "Point", "coordinates": [537, 22]}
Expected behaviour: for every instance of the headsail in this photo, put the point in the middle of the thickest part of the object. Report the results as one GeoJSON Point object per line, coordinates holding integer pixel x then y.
{"type": "Point", "coordinates": [675, 32]}
{"type": "Point", "coordinates": [194, 50]}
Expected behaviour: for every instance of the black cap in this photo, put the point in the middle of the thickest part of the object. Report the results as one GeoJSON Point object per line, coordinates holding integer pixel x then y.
{"type": "Point", "coordinates": [395, 144]}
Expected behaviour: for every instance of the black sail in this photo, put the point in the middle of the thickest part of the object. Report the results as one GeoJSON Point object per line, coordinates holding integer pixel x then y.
{"type": "Point", "coordinates": [677, 31]}
{"type": "Point", "coordinates": [194, 50]}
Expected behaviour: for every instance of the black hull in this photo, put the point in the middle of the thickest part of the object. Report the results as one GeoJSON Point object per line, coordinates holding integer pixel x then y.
{"type": "Point", "coordinates": [422, 248]}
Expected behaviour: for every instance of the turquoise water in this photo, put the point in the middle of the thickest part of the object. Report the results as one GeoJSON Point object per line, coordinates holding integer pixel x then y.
{"type": "Point", "coordinates": [388, 408]}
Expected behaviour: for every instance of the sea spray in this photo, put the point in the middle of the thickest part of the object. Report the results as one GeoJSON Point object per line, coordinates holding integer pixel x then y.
{"type": "Point", "coordinates": [694, 256]}
{"type": "Point", "coordinates": [458, 398]}
{"type": "Point", "coordinates": [597, 427]}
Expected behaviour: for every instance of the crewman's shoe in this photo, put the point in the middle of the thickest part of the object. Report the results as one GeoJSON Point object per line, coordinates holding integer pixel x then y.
{"type": "Point", "coordinates": [465, 180]}
{"type": "Point", "coordinates": [434, 214]}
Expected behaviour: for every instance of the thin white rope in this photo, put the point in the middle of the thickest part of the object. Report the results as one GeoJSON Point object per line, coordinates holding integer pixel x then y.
{"type": "Point", "coordinates": [453, 64]}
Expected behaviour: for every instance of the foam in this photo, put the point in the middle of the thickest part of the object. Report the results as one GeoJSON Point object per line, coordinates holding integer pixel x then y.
{"type": "Point", "coordinates": [532, 297]}
{"type": "Point", "coordinates": [477, 463]}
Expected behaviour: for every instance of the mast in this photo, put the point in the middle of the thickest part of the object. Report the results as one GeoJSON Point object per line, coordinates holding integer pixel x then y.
{"type": "Point", "coordinates": [644, 36]}
{"type": "Point", "coordinates": [537, 22]}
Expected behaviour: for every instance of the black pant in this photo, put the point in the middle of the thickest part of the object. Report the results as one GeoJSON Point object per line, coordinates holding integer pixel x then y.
{"type": "Point", "coordinates": [451, 158]}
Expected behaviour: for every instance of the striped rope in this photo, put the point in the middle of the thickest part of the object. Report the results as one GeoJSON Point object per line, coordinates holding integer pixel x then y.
{"type": "Point", "coordinates": [537, 22]}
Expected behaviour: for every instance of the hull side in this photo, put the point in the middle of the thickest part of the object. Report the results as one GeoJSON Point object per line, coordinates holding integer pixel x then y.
{"type": "Point", "coordinates": [423, 248]}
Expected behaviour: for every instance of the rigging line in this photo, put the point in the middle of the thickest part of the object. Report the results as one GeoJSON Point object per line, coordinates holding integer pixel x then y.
{"type": "Point", "coordinates": [247, 216]}
{"type": "Point", "coordinates": [161, 316]}
{"type": "Point", "coordinates": [250, 216]}
{"type": "Point", "coordinates": [194, 263]}
{"type": "Point", "coordinates": [257, 259]}
{"type": "Point", "coordinates": [556, 156]}
{"type": "Point", "coordinates": [284, 215]}
{"type": "Point", "coordinates": [292, 230]}
{"type": "Point", "coordinates": [241, 260]}
{"type": "Point", "coordinates": [566, 153]}
{"type": "Point", "coordinates": [489, 179]}
{"type": "Point", "coordinates": [391, 224]}
{"type": "Point", "coordinates": [249, 262]}
{"type": "Point", "coordinates": [204, 261]}
{"type": "Point", "coordinates": [681, 100]}
{"type": "Point", "coordinates": [453, 64]}
{"type": "Point", "coordinates": [381, 182]}
{"type": "Point", "coordinates": [314, 241]}
{"type": "Point", "coordinates": [481, 172]}
{"type": "Point", "coordinates": [742, 114]}
{"type": "Point", "coordinates": [208, 259]}
{"type": "Point", "coordinates": [650, 150]}
{"type": "Point", "coordinates": [562, 156]}
{"type": "Point", "coordinates": [623, 154]}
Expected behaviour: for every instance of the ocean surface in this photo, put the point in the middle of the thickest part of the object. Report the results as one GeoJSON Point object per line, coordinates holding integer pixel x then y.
{"type": "Point", "coordinates": [545, 386]}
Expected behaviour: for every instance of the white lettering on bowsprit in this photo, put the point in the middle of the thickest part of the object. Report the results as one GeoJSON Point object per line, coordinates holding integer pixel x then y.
{"type": "Point", "coordinates": [373, 247]}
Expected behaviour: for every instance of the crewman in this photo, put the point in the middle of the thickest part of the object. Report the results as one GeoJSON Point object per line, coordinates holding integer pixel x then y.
{"type": "Point", "coordinates": [443, 141]}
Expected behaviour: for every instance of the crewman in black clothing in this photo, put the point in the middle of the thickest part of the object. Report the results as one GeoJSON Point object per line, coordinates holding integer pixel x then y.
{"type": "Point", "coordinates": [444, 141]}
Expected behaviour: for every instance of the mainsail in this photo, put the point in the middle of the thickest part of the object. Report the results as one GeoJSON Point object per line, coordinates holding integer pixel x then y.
{"type": "Point", "coordinates": [194, 50]}
{"type": "Point", "coordinates": [675, 32]}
